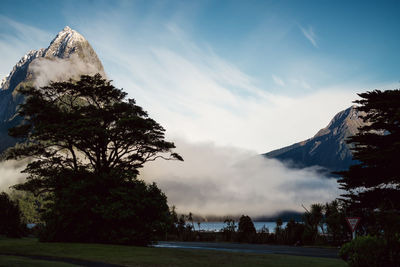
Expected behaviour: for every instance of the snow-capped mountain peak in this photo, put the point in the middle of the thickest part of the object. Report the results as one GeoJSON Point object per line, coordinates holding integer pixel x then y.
{"type": "Point", "coordinates": [21, 64]}
{"type": "Point", "coordinates": [67, 28]}
{"type": "Point", "coordinates": [68, 56]}
{"type": "Point", "coordinates": [65, 43]}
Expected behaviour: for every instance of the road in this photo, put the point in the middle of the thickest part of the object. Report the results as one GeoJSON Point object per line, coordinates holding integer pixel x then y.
{"type": "Point", "coordinates": [254, 248]}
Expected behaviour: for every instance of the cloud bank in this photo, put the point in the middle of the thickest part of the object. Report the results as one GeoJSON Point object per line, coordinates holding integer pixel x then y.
{"type": "Point", "coordinates": [10, 173]}
{"type": "Point", "coordinates": [46, 70]}
{"type": "Point", "coordinates": [195, 93]}
{"type": "Point", "coordinates": [215, 180]}
{"type": "Point", "coordinates": [221, 180]}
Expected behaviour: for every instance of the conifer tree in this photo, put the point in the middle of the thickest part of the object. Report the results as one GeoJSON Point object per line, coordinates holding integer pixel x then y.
{"type": "Point", "coordinates": [373, 185]}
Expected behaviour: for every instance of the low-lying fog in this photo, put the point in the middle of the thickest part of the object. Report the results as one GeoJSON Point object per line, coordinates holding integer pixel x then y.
{"type": "Point", "coordinates": [217, 180]}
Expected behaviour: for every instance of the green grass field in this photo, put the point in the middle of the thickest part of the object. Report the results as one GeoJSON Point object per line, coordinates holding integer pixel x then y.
{"type": "Point", "coordinates": [140, 256]}
{"type": "Point", "coordinates": [13, 261]}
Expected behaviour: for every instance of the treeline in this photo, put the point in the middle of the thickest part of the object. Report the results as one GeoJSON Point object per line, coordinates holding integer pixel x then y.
{"type": "Point", "coordinates": [320, 225]}
{"type": "Point", "coordinates": [284, 215]}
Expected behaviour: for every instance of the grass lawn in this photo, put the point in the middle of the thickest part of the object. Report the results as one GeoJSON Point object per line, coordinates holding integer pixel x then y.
{"type": "Point", "coordinates": [140, 256]}
{"type": "Point", "coordinates": [13, 261]}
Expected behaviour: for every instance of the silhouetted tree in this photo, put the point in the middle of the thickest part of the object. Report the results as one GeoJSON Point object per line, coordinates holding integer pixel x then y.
{"type": "Point", "coordinates": [293, 232]}
{"type": "Point", "coordinates": [335, 220]}
{"type": "Point", "coordinates": [88, 143]}
{"type": "Point", "coordinates": [190, 219]}
{"type": "Point", "coordinates": [229, 229]}
{"type": "Point", "coordinates": [279, 224]}
{"type": "Point", "coordinates": [181, 225]}
{"type": "Point", "coordinates": [174, 221]}
{"type": "Point", "coordinates": [373, 185]}
{"type": "Point", "coordinates": [246, 229]}
{"type": "Point", "coordinates": [11, 224]}
{"type": "Point", "coordinates": [278, 230]}
{"type": "Point", "coordinates": [312, 220]}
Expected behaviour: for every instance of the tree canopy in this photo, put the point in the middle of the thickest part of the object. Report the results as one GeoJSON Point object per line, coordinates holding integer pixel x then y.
{"type": "Point", "coordinates": [246, 229]}
{"type": "Point", "coordinates": [375, 181]}
{"type": "Point", "coordinates": [86, 143]}
{"type": "Point", "coordinates": [373, 185]}
{"type": "Point", "coordinates": [85, 125]}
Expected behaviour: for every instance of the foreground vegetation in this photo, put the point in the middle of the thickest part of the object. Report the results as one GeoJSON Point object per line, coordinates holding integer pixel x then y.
{"type": "Point", "coordinates": [14, 261]}
{"type": "Point", "coordinates": [86, 142]}
{"type": "Point", "coordinates": [141, 256]}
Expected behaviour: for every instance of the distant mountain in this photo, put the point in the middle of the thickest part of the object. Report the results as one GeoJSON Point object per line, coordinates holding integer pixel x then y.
{"type": "Point", "coordinates": [69, 55]}
{"type": "Point", "coordinates": [328, 148]}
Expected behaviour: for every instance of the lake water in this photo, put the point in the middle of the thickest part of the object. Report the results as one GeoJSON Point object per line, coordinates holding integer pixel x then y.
{"type": "Point", "coordinates": [217, 226]}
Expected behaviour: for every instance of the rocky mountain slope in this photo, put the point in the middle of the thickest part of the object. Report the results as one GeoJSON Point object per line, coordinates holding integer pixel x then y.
{"type": "Point", "coordinates": [69, 55]}
{"type": "Point", "coordinates": [328, 148]}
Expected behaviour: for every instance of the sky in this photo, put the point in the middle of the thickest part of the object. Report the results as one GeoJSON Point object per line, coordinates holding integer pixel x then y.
{"type": "Point", "coordinates": [253, 74]}
{"type": "Point", "coordinates": [227, 80]}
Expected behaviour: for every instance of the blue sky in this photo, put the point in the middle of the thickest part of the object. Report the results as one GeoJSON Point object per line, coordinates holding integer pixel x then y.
{"type": "Point", "coordinates": [254, 74]}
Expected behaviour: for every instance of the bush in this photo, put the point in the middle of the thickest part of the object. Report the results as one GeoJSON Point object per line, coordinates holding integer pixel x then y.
{"type": "Point", "coordinates": [10, 214]}
{"type": "Point", "coordinates": [370, 251]}
{"type": "Point", "coordinates": [229, 230]}
{"type": "Point", "coordinates": [246, 231]}
{"type": "Point", "coordinates": [264, 236]}
{"type": "Point", "coordinates": [293, 233]}
{"type": "Point", "coordinates": [103, 210]}
{"type": "Point", "coordinates": [29, 204]}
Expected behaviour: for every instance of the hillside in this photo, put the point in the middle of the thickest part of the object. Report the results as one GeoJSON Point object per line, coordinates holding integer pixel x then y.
{"type": "Point", "coordinates": [69, 55]}
{"type": "Point", "coordinates": [328, 147]}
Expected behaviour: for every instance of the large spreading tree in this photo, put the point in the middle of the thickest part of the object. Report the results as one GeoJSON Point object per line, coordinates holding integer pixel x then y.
{"type": "Point", "coordinates": [87, 142]}
{"type": "Point", "coordinates": [373, 185]}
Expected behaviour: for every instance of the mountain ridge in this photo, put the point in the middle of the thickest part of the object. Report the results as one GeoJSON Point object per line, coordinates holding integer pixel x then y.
{"type": "Point", "coordinates": [327, 148]}
{"type": "Point", "coordinates": [69, 50]}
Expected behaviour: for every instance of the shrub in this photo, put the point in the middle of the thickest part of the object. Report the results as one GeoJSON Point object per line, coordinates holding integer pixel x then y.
{"type": "Point", "coordinates": [293, 233]}
{"type": "Point", "coordinates": [229, 230]}
{"type": "Point", "coordinates": [370, 251]}
{"type": "Point", "coordinates": [104, 211]}
{"type": "Point", "coordinates": [263, 236]}
{"type": "Point", "coordinates": [247, 231]}
{"type": "Point", "coordinates": [10, 214]}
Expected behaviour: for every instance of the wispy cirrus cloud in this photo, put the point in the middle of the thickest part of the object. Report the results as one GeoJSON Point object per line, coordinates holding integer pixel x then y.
{"type": "Point", "coordinates": [310, 35]}
{"type": "Point", "coordinates": [16, 39]}
{"type": "Point", "coordinates": [196, 93]}
{"type": "Point", "coordinates": [278, 80]}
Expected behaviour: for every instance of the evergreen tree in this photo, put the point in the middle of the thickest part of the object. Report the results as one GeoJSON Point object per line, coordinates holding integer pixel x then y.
{"type": "Point", "coordinates": [336, 226]}
{"type": "Point", "coordinates": [373, 185]}
{"type": "Point", "coordinates": [88, 142]}
{"type": "Point", "coordinates": [246, 229]}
